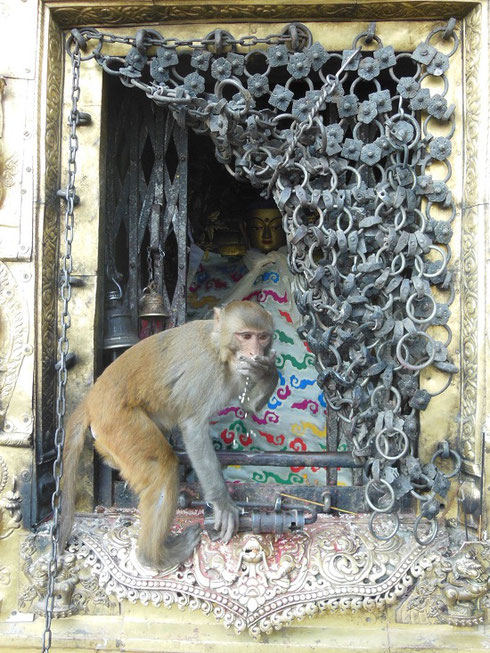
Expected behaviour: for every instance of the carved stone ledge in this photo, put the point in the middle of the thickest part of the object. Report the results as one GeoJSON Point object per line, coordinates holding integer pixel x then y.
{"type": "Point", "coordinates": [257, 583]}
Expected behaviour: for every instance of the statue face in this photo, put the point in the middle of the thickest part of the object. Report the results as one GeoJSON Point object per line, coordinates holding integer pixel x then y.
{"type": "Point", "coordinates": [265, 232]}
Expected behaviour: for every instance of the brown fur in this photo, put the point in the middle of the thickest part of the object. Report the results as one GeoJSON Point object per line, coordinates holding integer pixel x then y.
{"type": "Point", "coordinates": [177, 378]}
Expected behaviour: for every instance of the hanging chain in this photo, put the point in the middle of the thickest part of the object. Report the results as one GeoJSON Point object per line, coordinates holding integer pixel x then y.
{"type": "Point", "coordinates": [63, 345]}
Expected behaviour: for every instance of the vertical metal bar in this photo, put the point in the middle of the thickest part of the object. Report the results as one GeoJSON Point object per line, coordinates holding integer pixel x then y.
{"type": "Point", "coordinates": [133, 213]}
{"type": "Point", "coordinates": [332, 444]}
{"type": "Point", "coordinates": [180, 223]}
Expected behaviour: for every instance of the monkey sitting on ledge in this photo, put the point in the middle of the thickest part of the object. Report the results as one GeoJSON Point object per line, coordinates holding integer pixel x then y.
{"type": "Point", "coordinates": [179, 377]}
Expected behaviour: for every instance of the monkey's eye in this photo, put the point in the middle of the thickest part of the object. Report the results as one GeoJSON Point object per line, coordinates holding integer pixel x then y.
{"type": "Point", "coordinates": [264, 337]}
{"type": "Point", "coordinates": [245, 336]}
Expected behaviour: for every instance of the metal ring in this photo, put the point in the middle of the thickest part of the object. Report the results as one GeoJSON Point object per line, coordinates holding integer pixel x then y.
{"type": "Point", "coordinates": [432, 534]}
{"type": "Point", "coordinates": [391, 492]}
{"type": "Point", "coordinates": [394, 390]}
{"type": "Point", "coordinates": [410, 366]}
{"type": "Point", "coordinates": [457, 459]}
{"type": "Point", "coordinates": [410, 313]}
{"type": "Point", "coordinates": [375, 515]}
{"type": "Point", "coordinates": [441, 270]}
{"type": "Point", "coordinates": [443, 28]}
{"type": "Point", "coordinates": [381, 434]}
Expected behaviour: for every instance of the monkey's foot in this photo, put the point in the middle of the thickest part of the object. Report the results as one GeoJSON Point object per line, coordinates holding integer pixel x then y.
{"type": "Point", "coordinates": [180, 547]}
{"type": "Point", "coordinates": [177, 549]}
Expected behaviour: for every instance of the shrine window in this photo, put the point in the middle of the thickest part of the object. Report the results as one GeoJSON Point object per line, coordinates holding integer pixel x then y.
{"type": "Point", "coordinates": [351, 139]}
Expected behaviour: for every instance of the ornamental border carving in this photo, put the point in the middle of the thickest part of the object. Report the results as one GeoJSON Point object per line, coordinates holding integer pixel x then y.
{"type": "Point", "coordinates": [262, 583]}
{"type": "Point", "coordinates": [469, 238]}
{"type": "Point", "coordinates": [257, 583]}
{"type": "Point", "coordinates": [14, 314]}
{"type": "Point", "coordinates": [48, 273]}
{"type": "Point", "coordinates": [113, 15]}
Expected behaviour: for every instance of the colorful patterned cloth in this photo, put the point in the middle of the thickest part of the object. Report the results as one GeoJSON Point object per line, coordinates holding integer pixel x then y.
{"type": "Point", "coordinates": [295, 417]}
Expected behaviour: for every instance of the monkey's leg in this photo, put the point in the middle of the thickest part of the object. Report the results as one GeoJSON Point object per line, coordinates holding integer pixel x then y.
{"type": "Point", "coordinates": [148, 463]}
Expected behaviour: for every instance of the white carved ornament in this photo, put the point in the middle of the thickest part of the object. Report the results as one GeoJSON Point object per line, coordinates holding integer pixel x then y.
{"type": "Point", "coordinates": [260, 582]}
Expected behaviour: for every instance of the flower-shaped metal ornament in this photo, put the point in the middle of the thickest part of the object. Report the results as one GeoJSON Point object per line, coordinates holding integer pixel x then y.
{"type": "Point", "coordinates": [354, 62]}
{"type": "Point", "coordinates": [159, 73]}
{"type": "Point", "coordinates": [408, 384]}
{"type": "Point", "coordinates": [443, 313]}
{"type": "Point", "coordinates": [370, 154]}
{"type": "Point", "coordinates": [420, 100]}
{"type": "Point", "coordinates": [201, 59]}
{"type": "Point", "coordinates": [299, 65]}
{"type": "Point", "coordinates": [221, 69]}
{"type": "Point", "coordinates": [367, 112]}
{"type": "Point", "coordinates": [277, 55]}
{"type": "Point", "coordinates": [385, 57]}
{"type": "Point", "coordinates": [301, 109]}
{"type": "Point", "coordinates": [424, 185]}
{"type": "Point", "coordinates": [317, 55]}
{"type": "Point", "coordinates": [258, 85]}
{"type": "Point", "coordinates": [438, 193]}
{"type": "Point", "coordinates": [424, 53]}
{"type": "Point", "coordinates": [347, 105]}
{"type": "Point", "coordinates": [440, 148]}
{"type": "Point", "coordinates": [237, 63]}
{"type": "Point", "coordinates": [437, 106]}
{"type": "Point", "coordinates": [420, 400]}
{"type": "Point", "coordinates": [384, 145]}
{"type": "Point", "coordinates": [238, 103]}
{"type": "Point", "coordinates": [281, 97]}
{"type": "Point", "coordinates": [438, 65]}
{"type": "Point", "coordinates": [135, 63]}
{"type": "Point", "coordinates": [352, 149]}
{"type": "Point", "coordinates": [382, 99]}
{"type": "Point", "coordinates": [167, 57]}
{"type": "Point", "coordinates": [442, 231]}
{"type": "Point", "coordinates": [402, 131]}
{"type": "Point", "coordinates": [194, 83]}
{"type": "Point", "coordinates": [368, 68]}
{"type": "Point", "coordinates": [408, 87]}
{"type": "Point", "coordinates": [335, 136]}
{"type": "Point", "coordinates": [312, 98]}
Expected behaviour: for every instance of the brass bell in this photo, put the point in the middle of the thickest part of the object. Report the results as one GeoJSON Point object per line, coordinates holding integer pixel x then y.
{"type": "Point", "coordinates": [152, 311]}
{"type": "Point", "coordinates": [151, 304]}
{"type": "Point", "coordinates": [119, 332]}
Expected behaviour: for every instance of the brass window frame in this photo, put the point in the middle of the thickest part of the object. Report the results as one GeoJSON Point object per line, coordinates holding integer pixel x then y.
{"type": "Point", "coordinates": [467, 183]}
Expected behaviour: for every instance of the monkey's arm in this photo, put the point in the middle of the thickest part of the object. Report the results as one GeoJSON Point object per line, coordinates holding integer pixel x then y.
{"type": "Point", "coordinates": [200, 449]}
{"type": "Point", "coordinates": [263, 376]}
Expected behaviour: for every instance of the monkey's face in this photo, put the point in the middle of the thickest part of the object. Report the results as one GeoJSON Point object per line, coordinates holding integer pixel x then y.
{"type": "Point", "coordinates": [252, 342]}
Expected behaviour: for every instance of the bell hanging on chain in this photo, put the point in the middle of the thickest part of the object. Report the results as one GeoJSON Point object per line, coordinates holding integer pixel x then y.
{"type": "Point", "coordinates": [119, 332]}
{"type": "Point", "coordinates": [152, 311]}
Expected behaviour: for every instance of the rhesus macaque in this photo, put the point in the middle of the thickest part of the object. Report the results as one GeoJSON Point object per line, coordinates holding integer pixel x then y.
{"type": "Point", "coordinates": [179, 377]}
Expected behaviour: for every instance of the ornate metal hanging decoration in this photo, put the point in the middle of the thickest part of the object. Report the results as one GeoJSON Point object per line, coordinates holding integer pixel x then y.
{"type": "Point", "coordinates": [344, 142]}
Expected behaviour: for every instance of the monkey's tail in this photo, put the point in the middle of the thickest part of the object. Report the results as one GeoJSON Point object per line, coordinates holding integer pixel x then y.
{"type": "Point", "coordinates": [76, 427]}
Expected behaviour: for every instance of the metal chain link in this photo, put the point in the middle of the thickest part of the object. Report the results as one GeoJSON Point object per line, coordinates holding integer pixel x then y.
{"type": "Point", "coordinates": [63, 345]}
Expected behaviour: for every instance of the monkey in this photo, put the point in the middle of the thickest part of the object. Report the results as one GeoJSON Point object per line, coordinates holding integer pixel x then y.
{"type": "Point", "coordinates": [176, 378]}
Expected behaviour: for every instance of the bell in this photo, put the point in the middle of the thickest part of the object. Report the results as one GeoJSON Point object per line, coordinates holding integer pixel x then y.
{"type": "Point", "coordinates": [151, 304]}
{"type": "Point", "coordinates": [118, 330]}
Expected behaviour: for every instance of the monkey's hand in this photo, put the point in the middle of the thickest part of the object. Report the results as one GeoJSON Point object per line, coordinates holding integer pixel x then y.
{"type": "Point", "coordinates": [257, 367]}
{"type": "Point", "coordinates": [225, 517]}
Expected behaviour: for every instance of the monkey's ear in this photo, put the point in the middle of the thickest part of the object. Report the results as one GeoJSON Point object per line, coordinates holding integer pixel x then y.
{"type": "Point", "coordinates": [217, 318]}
